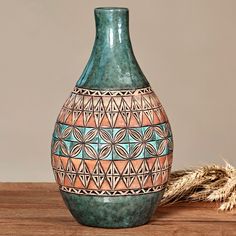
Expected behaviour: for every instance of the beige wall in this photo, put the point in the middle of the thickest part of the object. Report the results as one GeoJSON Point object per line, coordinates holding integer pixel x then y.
{"type": "Point", "coordinates": [187, 49]}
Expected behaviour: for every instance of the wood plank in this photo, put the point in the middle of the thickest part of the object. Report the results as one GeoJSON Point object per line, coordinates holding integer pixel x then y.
{"type": "Point", "coordinates": [38, 209]}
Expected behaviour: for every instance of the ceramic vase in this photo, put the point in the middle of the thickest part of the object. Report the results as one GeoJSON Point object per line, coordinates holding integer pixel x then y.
{"type": "Point", "coordinates": [112, 143]}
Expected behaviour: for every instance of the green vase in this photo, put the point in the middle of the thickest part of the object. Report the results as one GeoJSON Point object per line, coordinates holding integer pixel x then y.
{"type": "Point", "coordinates": [112, 144]}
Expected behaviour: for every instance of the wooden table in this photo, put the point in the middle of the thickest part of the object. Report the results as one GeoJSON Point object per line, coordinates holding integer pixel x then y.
{"type": "Point", "coordinates": [38, 209]}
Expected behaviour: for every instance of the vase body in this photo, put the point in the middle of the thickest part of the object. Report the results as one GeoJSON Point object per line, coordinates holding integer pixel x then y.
{"type": "Point", "coordinates": [112, 144]}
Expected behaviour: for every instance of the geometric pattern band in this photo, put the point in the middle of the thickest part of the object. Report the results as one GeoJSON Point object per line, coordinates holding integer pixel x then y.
{"type": "Point", "coordinates": [112, 143]}
{"type": "Point", "coordinates": [136, 110]}
{"type": "Point", "coordinates": [111, 175]}
{"type": "Point", "coordinates": [113, 193]}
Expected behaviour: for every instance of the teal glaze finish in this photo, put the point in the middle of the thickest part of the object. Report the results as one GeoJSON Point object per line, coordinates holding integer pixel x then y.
{"type": "Point", "coordinates": [112, 64]}
{"type": "Point", "coordinates": [112, 212]}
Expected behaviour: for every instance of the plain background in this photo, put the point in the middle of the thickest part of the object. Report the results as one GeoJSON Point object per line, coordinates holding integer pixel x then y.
{"type": "Point", "coordinates": [186, 48]}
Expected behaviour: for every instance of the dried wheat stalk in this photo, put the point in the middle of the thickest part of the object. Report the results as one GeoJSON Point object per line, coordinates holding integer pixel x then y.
{"type": "Point", "coordinates": [208, 183]}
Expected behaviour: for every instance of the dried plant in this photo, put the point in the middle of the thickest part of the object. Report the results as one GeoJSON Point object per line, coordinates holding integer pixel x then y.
{"type": "Point", "coordinates": [230, 203]}
{"type": "Point", "coordinates": [208, 183]}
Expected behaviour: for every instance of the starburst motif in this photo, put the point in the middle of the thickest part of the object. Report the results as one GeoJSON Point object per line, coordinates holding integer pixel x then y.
{"type": "Point", "coordinates": [141, 139]}
{"type": "Point", "coordinates": [59, 142]}
{"type": "Point", "coordinates": [112, 143]}
{"type": "Point", "coordinates": [83, 143]}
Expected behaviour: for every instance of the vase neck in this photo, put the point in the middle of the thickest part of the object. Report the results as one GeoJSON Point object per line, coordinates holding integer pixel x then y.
{"type": "Point", "coordinates": [112, 28]}
{"type": "Point", "coordinates": [112, 64]}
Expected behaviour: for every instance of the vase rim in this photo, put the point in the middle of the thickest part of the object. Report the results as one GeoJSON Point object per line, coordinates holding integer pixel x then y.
{"type": "Point", "coordinates": [111, 9]}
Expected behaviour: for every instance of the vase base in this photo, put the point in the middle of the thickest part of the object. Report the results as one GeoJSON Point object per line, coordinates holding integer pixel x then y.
{"type": "Point", "coordinates": [112, 212]}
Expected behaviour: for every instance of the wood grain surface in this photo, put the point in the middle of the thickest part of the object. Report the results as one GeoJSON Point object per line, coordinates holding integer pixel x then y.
{"type": "Point", "coordinates": [38, 209]}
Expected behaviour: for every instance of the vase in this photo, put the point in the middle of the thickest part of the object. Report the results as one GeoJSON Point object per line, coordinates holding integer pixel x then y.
{"type": "Point", "coordinates": [112, 143]}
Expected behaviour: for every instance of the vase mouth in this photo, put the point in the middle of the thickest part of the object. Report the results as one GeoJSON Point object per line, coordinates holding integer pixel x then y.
{"type": "Point", "coordinates": [124, 9]}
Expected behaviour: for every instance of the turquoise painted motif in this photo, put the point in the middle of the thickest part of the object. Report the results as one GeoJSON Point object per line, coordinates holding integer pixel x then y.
{"type": "Point", "coordinates": [138, 143]}
{"type": "Point", "coordinates": [112, 144]}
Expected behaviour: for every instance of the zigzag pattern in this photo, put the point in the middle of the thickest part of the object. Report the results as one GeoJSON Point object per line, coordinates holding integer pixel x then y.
{"type": "Point", "coordinates": [112, 193]}
{"type": "Point", "coordinates": [91, 92]}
